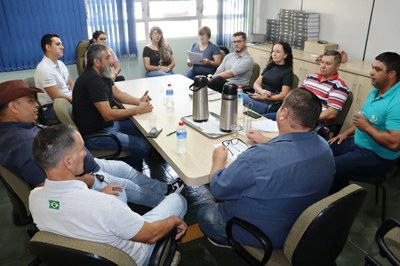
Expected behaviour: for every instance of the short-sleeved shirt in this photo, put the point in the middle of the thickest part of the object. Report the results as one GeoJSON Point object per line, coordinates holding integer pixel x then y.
{"type": "Point", "coordinates": [332, 92]}
{"type": "Point", "coordinates": [154, 56]}
{"type": "Point", "coordinates": [91, 88]}
{"type": "Point", "coordinates": [16, 152]}
{"type": "Point", "coordinates": [275, 77]}
{"type": "Point", "coordinates": [383, 113]}
{"type": "Point", "coordinates": [241, 66]}
{"type": "Point", "coordinates": [69, 208]}
{"type": "Point", "coordinates": [48, 74]}
{"type": "Point", "coordinates": [295, 171]}
{"type": "Point", "coordinates": [209, 53]}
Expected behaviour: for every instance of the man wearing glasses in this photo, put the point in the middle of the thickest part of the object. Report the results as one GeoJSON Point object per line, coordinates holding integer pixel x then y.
{"type": "Point", "coordinates": [236, 67]}
{"type": "Point", "coordinates": [271, 183]}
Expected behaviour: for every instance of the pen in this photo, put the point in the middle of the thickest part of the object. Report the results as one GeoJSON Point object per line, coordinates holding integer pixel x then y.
{"type": "Point", "coordinates": [170, 133]}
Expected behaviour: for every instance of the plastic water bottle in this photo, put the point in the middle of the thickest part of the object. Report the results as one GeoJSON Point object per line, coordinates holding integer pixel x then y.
{"type": "Point", "coordinates": [240, 102]}
{"type": "Point", "coordinates": [170, 98]}
{"type": "Point", "coordinates": [181, 136]}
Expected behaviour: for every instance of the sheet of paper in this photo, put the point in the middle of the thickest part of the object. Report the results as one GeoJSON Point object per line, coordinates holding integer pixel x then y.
{"type": "Point", "coordinates": [212, 95]}
{"type": "Point", "coordinates": [195, 57]}
{"type": "Point", "coordinates": [265, 125]}
{"type": "Point", "coordinates": [211, 126]}
{"type": "Point", "coordinates": [234, 150]}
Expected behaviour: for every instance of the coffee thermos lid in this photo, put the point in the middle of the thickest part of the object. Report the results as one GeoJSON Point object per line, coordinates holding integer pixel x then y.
{"type": "Point", "coordinates": [200, 81]}
{"type": "Point", "coordinates": [229, 91]}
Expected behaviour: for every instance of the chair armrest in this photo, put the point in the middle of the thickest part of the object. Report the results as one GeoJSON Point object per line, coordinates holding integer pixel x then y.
{"type": "Point", "coordinates": [379, 238]}
{"type": "Point", "coordinates": [164, 250]}
{"type": "Point", "coordinates": [256, 233]}
{"type": "Point", "coordinates": [107, 135]}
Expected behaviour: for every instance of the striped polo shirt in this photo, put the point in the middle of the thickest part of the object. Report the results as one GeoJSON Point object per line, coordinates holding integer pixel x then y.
{"type": "Point", "coordinates": [332, 92]}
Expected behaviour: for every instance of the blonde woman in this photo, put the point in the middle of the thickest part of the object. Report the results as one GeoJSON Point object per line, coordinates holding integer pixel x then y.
{"type": "Point", "coordinates": [158, 58]}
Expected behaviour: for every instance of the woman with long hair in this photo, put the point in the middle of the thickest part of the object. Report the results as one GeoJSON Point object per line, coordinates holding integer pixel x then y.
{"type": "Point", "coordinates": [158, 58]}
{"type": "Point", "coordinates": [275, 81]}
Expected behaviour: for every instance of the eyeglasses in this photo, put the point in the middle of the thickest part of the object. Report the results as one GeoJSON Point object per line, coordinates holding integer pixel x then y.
{"type": "Point", "coordinates": [234, 144]}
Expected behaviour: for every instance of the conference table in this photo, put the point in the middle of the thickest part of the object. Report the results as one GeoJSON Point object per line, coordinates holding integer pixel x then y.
{"type": "Point", "coordinates": [194, 166]}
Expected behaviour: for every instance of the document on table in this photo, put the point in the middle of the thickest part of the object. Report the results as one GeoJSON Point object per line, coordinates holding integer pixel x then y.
{"type": "Point", "coordinates": [266, 125]}
{"type": "Point", "coordinates": [234, 150]}
{"type": "Point", "coordinates": [195, 57]}
{"type": "Point", "coordinates": [212, 95]}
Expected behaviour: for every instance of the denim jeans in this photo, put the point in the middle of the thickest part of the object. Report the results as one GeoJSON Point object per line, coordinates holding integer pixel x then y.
{"type": "Point", "coordinates": [138, 188]}
{"type": "Point", "coordinates": [173, 204]}
{"type": "Point", "coordinates": [260, 106]}
{"type": "Point", "coordinates": [212, 224]}
{"type": "Point", "coordinates": [351, 160]}
{"type": "Point", "coordinates": [150, 74]}
{"type": "Point", "coordinates": [131, 140]}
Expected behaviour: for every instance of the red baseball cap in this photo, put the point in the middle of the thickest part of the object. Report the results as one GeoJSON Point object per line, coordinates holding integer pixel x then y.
{"type": "Point", "coordinates": [14, 89]}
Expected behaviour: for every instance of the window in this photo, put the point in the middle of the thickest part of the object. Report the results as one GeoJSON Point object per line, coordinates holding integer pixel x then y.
{"type": "Point", "coordinates": [177, 18]}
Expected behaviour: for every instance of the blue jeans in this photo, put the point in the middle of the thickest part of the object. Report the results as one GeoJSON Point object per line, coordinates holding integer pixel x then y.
{"type": "Point", "coordinates": [139, 189]}
{"type": "Point", "coordinates": [260, 106]}
{"type": "Point", "coordinates": [150, 74]}
{"type": "Point", "coordinates": [131, 140]}
{"type": "Point", "coordinates": [173, 204]}
{"type": "Point", "coordinates": [212, 224]}
{"type": "Point", "coordinates": [351, 160]}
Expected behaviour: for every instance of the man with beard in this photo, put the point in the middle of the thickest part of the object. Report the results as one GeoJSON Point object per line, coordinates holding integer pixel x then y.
{"type": "Point", "coordinates": [236, 67]}
{"type": "Point", "coordinates": [95, 107]}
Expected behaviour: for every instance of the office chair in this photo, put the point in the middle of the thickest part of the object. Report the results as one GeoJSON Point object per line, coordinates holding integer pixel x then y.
{"type": "Point", "coordinates": [18, 192]}
{"type": "Point", "coordinates": [80, 52]}
{"type": "Point", "coordinates": [54, 249]}
{"type": "Point", "coordinates": [316, 238]}
{"type": "Point", "coordinates": [336, 125]}
{"type": "Point", "coordinates": [41, 116]}
{"type": "Point", "coordinates": [255, 74]}
{"type": "Point", "coordinates": [378, 181]}
{"type": "Point", "coordinates": [63, 109]}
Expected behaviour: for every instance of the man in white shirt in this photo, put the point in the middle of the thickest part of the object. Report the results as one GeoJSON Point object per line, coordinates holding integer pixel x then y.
{"type": "Point", "coordinates": [65, 205]}
{"type": "Point", "coordinates": [51, 75]}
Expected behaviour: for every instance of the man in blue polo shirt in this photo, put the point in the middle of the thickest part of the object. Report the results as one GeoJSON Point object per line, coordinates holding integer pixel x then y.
{"type": "Point", "coordinates": [372, 144]}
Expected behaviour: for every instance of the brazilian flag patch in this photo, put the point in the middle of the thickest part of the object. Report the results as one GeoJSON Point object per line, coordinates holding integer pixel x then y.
{"type": "Point", "coordinates": [54, 204]}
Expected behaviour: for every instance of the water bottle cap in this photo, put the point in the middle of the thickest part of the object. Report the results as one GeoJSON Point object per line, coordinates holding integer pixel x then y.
{"type": "Point", "coordinates": [181, 123]}
{"type": "Point", "coordinates": [169, 84]}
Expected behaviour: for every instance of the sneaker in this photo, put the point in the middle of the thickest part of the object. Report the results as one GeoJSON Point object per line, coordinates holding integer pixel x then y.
{"type": "Point", "coordinates": [215, 243]}
{"type": "Point", "coordinates": [176, 186]}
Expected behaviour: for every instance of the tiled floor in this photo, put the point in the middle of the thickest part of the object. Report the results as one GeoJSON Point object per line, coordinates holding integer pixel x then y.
{"type": "Point", "coordinates": [200, 252]}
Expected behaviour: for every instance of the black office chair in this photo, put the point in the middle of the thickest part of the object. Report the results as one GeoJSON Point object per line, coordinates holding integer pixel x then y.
{"type": "Point", "coordinates": [316, 238]}
{"type": "Point", "coordinates": [336, 125]}
{"type": "Point", "coordinates": [53, 249]}
{"type": "Point", "coordinates": [41, 116]}
{"type": "Point", "coordinates": [18, 192]}
{"type": "Point", "coordinates": [63, 109]}
{"type": "Point", "coordinates": [378, 181]}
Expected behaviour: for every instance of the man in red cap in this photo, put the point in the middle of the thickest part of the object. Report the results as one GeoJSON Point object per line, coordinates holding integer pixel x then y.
{"type": "Point", "coordinates": [18, 115]}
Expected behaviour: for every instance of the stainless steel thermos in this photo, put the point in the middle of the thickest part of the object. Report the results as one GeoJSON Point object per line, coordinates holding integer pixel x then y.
{"type": "Point", "coordinates": [200, 98]}
{"type": "Point", "coordinates": [228, 114]}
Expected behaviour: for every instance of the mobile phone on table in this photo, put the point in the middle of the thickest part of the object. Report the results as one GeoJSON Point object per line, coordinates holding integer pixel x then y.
{"type": "Point", "coordinates": [252, 114]}
{"type": "Point", "coordinates": [154, 132]}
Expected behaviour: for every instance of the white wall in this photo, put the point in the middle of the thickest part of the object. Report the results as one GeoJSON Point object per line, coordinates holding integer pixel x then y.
{"type": "Point", "coordinates": [344, 22]}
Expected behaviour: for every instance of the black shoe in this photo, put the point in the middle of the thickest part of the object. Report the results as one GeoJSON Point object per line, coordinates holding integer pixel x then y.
{"type": "Point", "coordinates": [176, 186]}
